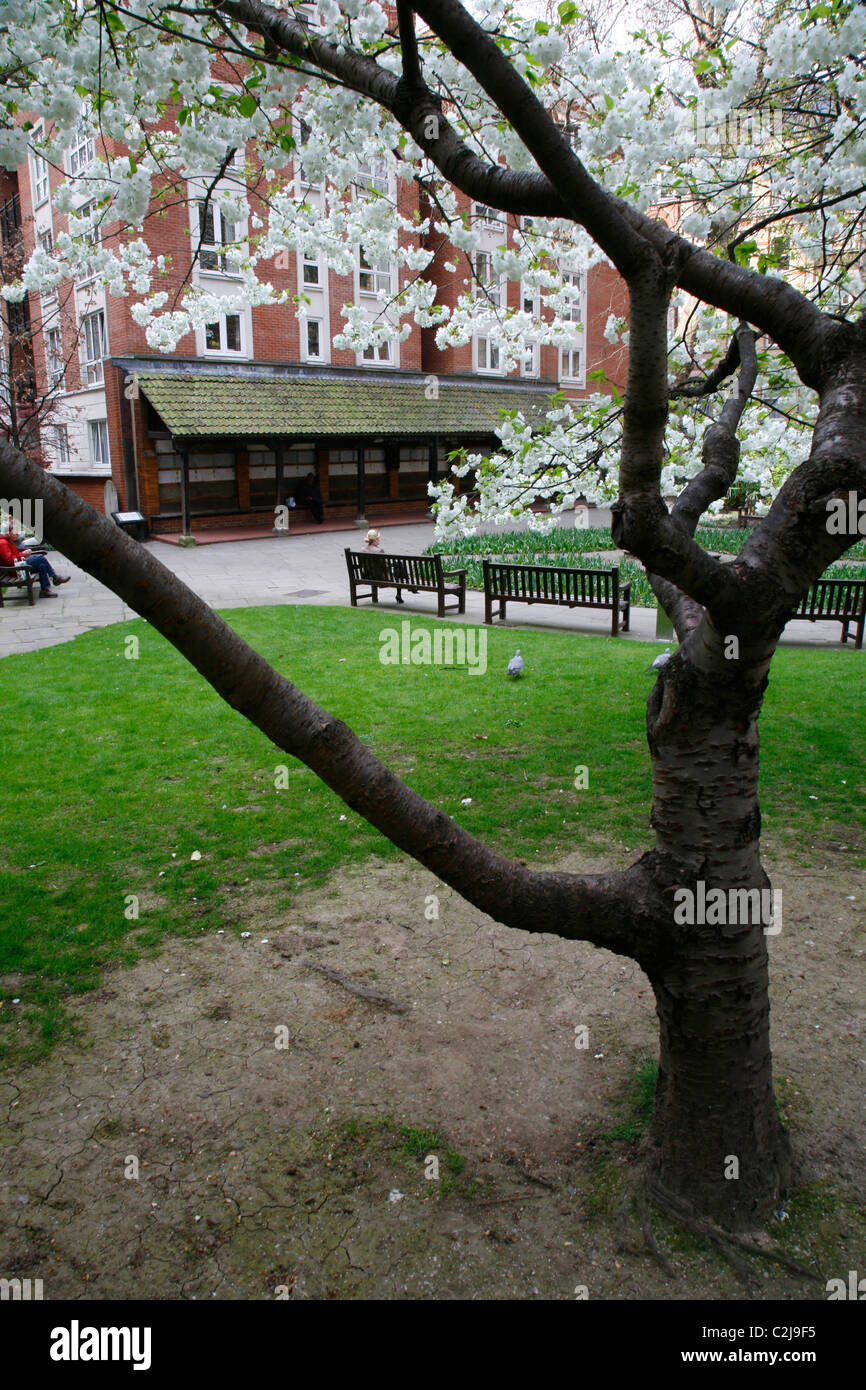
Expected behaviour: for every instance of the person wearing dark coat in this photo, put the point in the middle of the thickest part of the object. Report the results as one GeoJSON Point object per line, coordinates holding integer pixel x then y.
{"type": "Point", "coordinates": [308, 494]}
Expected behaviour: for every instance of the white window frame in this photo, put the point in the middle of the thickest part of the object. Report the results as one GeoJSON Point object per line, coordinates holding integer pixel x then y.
{"type": "Point", "coordinates": [566, 364]}
{"type": "Point", "coordinates": [530, 365]}
{"type": "Point", "coordinates": [221, 226]}
{"type": "Point", "coordinates": [380, 278]}
{"type": "Point", "coordinates": [97, 433]}
{"type": "Point", "coordinates": [91, 237]}
{"type": "Point", "coordinates": [491, 290]}
{"type": "Point", "coordinates": [92, 366]}
{"type": "Point", "coordinates": [312, 263]}
{"type": "Point", "coordinates": [303, 132]}
{"type": "Point", "coordinates": [487, 355]}
{"type": "Point", "coordinates": [223, 350]}
{"type": "Point", "coordinates": [491, 218]}
{"type": "Point", "coordinates": [575, 312]}
{"type": "Point", "coordinates": [81, 152]}
{"type": "Point", "coordinates": [374, 173]}
{"type": "Point", "coordinates": [54, 364]}
{"type": "Point", "coordinates": [372, 355]}
{"type": "Point", "coordinates": [307, 355]}
{"type": "Point", "coordinates": [58, 443]}
{"type": "Point", "coordinates": [530, 303]}
{"type": "Point", "coordinates": [40, 174]}
{"type": "Point", "coordinates": [45, 241]}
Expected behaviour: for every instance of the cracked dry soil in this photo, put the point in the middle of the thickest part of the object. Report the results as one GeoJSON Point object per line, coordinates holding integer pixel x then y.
{"type": "Point", "coordinates": [280, 1171]}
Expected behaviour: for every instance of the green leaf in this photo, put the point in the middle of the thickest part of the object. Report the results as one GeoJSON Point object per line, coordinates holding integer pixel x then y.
{"type": "Point", "coordinates": [248, 105]}
{"type": "Point", "coordinates": [745, 251]}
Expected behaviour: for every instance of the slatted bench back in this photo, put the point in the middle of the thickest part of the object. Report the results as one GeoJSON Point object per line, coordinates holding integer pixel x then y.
{"type": "Point", "coordinates": [551, 584]}
{"type": "Point", "coordinates": [409, 571]}
{"type": "Point", "coordinates": [833, 598]}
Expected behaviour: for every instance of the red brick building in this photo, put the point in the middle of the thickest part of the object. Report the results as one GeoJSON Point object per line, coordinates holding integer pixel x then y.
{"type": "Point", "coordinates": [218, 433]}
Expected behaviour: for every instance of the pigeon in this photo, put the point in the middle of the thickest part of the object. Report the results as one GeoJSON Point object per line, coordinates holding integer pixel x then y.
{"type": "Point", "coordinates": [661, 660]}
{"type": "Point", "coordinates": [515, 665]}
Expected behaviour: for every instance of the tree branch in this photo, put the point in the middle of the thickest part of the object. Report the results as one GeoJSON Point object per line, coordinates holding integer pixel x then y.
{"type": "Point", "coordinates": [721, 448]}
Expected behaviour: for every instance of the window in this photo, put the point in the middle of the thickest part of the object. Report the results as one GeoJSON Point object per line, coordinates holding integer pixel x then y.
{"type": "Point", "coordinates": [569, 366]}
{"type": "Point", "coordinates": [85, 232]}
{"type": "Point", "coordinates": [373, 279]}
{"type": "Point", "coordinates": [215, 231]}
{"type": "Point", "coordinates": [311, 270]}
{"type": "Point", "coordinates": [224, 335]}
{"type": "Point", "coordinates": [382, 353]}
{"type": "Point", "coordinates": [529, 365]}
{"type": "Point", "coordinates": [573, 311]}
{"type": "Point", "coordinates": [93, 348]}
{"type": "Point", "coordinates": [373, 175]}
{"type": "Point", "coordinates": [99, 455]}
{"type": "Point", "coordinates": [488, 355]}
{"type": "Point", "coordinates": [305, 15]}
{"type": "Point", "coordinates": [58, 443]}
{"type": "Point", "coordinates": [54, 356]}
{"type": "Point", "coordinates": [490, 217]}
{"type": "Point", "coordinates": [489, 284]}
{"type": "Point", "coordinates": [81, 152]}
{"type": "Point", "coordinates": [314, 338]}
{"type": "Point", "coordinates": [45, 242]}
{"type": "Point", "coordinates": [39, 167]}
{"type": "Point", "coordinates": [304, 134]}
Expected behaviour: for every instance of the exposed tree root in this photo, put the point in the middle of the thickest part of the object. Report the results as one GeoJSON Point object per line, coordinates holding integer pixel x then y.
{"type": "Point", "coordinates": [635, 1207]}
{"type": "Point", "coordinates": [727, 1242]}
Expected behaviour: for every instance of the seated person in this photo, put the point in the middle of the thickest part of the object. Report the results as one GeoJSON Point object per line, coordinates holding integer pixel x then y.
{"type": "Point", "coordinates": [373, 546]}
{"type": "Point", "coordinates": [308, 494]}
{"type": "Point", "coordinates": [39, 564]}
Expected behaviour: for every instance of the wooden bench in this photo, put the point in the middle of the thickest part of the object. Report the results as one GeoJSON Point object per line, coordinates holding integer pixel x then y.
{"type": "Point", "coordinates": [747, 515]}
{"type": "Point", "coordinates": [18, 577]}
{"type": "Point", "coordinates": [417, 573]}
{"type": "Point", "coordinates": [837, 600]}
{"type": "Point", "coordinates": [570, 588]}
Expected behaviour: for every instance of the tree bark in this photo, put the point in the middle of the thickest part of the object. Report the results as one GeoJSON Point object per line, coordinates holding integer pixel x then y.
{"type": "Point", "coordinates": [716, 1138]}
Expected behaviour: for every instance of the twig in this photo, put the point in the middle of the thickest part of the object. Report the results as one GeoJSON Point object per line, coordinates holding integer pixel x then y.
{"type": "Point", "coordinates": [374, 996]}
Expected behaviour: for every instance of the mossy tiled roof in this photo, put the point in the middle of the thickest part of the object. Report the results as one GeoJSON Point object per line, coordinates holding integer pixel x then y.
{"type": "Point", "coordinates": [206, 407]}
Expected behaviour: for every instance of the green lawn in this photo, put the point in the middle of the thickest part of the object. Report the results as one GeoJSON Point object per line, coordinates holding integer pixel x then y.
{"type": "Point", "coordinates": [118, 770]}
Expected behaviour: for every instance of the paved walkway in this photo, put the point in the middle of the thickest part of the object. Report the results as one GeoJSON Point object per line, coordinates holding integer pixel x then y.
{"type": "Point", "coordinates": [298, 569]}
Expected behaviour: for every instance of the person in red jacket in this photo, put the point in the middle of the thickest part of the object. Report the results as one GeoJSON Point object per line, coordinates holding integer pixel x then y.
{"type": "Point", "coordinates": [40, 564]}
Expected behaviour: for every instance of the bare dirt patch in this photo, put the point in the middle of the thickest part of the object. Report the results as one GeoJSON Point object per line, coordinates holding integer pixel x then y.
{"type": "Point", "coordinates": [279, 1095]}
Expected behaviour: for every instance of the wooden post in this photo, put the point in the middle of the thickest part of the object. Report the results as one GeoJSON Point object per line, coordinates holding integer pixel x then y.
{"type": "Point", "coordinates": [432, 466]}
{"type": "Point", "coordinates": [361, 518]}
{"type": "Point", "coordinates": [279, 464]}
{"type": "Point", "coordinates": [184, 492]}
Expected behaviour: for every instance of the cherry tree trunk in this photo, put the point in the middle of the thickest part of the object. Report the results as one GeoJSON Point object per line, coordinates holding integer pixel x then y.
{"type": "Point", "coordinates": [715, 1139]}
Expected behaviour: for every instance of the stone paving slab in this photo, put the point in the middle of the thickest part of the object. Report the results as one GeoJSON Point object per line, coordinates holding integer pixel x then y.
{"type": "Point", "coordinates": [303, 569]}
